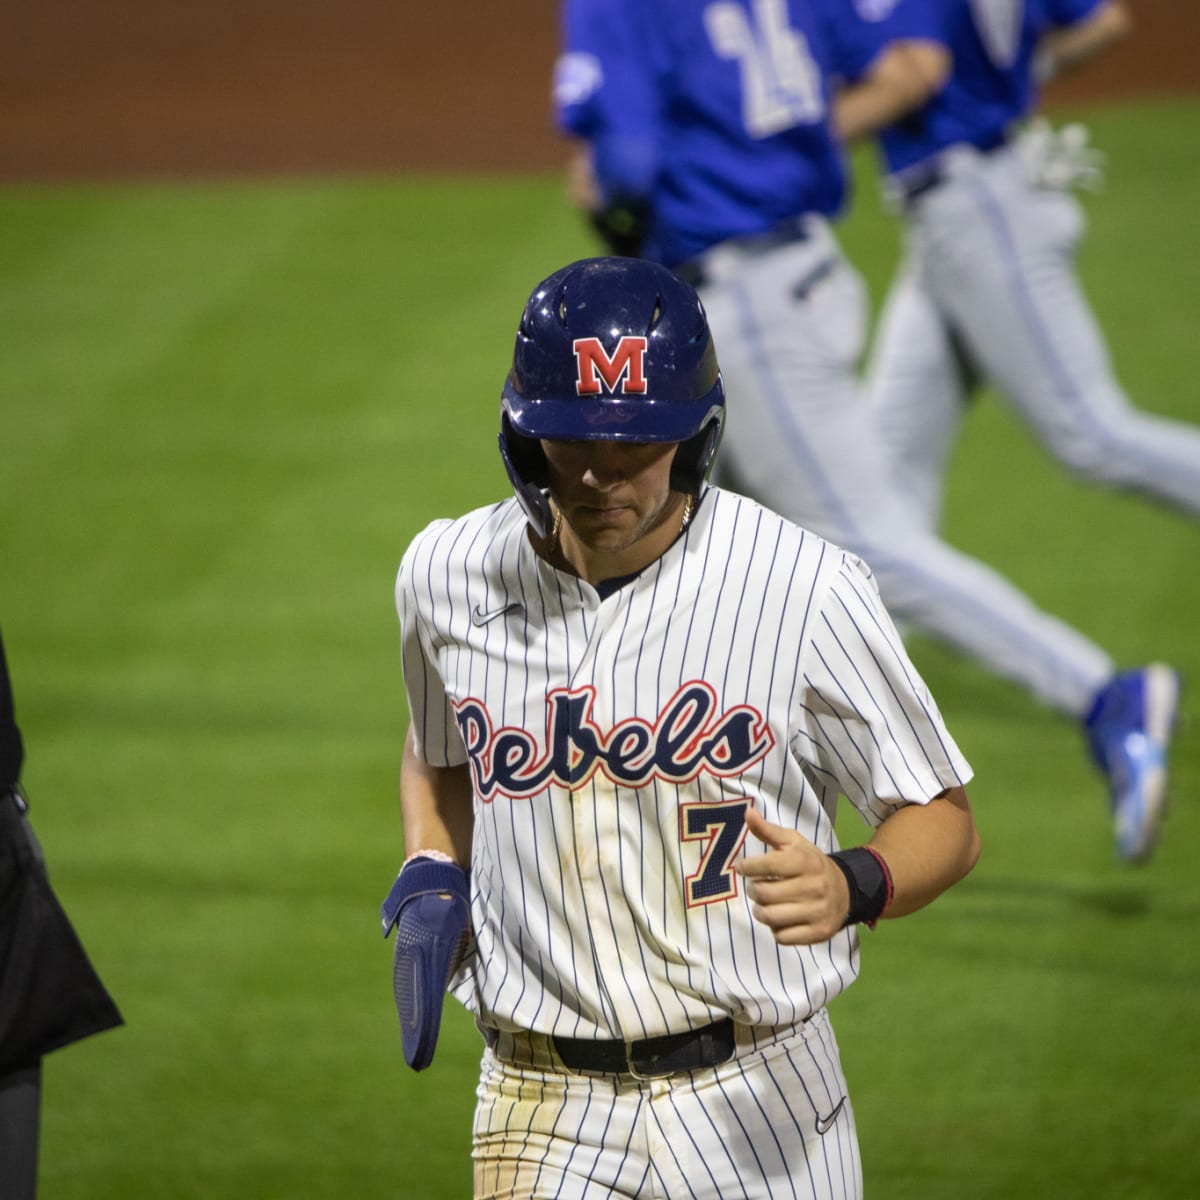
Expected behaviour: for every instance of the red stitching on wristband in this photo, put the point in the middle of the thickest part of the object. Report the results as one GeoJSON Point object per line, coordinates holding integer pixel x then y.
{"type": "Point", "coordinates": [887, 876]}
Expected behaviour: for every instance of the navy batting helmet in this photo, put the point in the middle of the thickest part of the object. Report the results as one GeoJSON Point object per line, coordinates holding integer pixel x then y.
{"type": "Point", "coordinates": [610, 349]}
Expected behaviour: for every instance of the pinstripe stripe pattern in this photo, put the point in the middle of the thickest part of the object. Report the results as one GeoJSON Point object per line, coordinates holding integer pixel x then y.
{"type": "Point", "coordinates": [581, 888]}
{"type": "Point", "coordinates": [773, 1122]}
{"type": "Point", "coordinates": [614, 744]}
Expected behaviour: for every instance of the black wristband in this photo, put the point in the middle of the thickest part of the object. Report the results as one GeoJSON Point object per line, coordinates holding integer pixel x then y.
{"type": "Point", "coordinates": [870, 884]}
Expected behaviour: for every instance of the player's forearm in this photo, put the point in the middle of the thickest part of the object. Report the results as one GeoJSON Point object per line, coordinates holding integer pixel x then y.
{"type": "Point", "coordinates": [1063, 50]}
{"type": "Point", "coordinates": [928, 848]}
{"type": "Point", "coordinates": [905, 76]}
{"type": "Point", "coordinates": [436, 806]}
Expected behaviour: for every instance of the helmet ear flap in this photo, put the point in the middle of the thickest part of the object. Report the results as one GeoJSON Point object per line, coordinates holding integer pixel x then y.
{"type": "Point", "coordinates": [528, 472]}
{"type": "Point", "coordinates": [694, 459]}
{"type": "Point", "coordinates": [525, 454]}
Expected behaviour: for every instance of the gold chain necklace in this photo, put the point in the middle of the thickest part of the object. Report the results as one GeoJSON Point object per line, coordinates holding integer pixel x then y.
{"type": "Point", "coordinates": [688, 504]}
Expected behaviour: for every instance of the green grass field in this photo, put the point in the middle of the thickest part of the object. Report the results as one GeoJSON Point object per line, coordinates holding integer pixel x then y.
{"type": "Point", "coordinates": [225, 409]}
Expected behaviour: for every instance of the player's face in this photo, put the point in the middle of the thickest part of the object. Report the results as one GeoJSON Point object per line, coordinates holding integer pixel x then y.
{"type": "Point", "coordinates": [614, 496]}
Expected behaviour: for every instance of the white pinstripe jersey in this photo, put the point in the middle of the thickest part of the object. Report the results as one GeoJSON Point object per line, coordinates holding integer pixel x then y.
{"type": "Point", "coordinates": [615, 743]}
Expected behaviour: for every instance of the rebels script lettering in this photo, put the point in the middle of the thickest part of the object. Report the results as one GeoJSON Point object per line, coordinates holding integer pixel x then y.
{"type": "Point", "coordinates": [690, 736]}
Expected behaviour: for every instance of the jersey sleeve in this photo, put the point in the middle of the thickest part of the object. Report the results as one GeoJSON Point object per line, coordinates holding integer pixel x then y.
{"type": "Point", "coordinates": [605, 91]}
{"type": "Point", "coordinates": [857, 31]}
{"type": "Point", "coordinates": [916, 20]}
{"type": "Point", "coordinates": [435, 732]}
{"type": "Point", "coordinates": [867, 717]}
{"type": "Point", "coordinates": [861, 29]}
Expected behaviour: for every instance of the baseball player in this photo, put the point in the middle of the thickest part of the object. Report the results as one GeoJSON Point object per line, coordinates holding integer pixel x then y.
{"type": "Point", "coordinates": [635, 699]}
{"type": "Point", "coordinates": [988, 290]}
{"type": "Point", "coordinates": [711, 143]}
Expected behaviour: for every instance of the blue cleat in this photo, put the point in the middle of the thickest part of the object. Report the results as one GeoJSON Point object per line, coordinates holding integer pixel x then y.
{"type": "Point", "coordinates": [1129, 731]}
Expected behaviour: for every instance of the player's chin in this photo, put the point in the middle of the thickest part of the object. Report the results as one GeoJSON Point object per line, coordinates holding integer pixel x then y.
{"type": "Point", "coordinates": [607, 528]}
{"type": "Point", "coordinates": [605, 518]}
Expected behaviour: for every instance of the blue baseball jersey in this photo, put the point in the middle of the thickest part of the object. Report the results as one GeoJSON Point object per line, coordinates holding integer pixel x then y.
{"type": "Point", "coordinates": [715, 112]}
{"type": "Point", "coordinates": [992, 86]}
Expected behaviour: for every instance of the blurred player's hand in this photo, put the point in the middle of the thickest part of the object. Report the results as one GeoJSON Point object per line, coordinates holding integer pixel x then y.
{"type": "Point", "coordinates": [620, 222]}
{"type": "Point", "coordinates": [1060, 158]}
{"type": "Point", "coordinates": [796, 890]}
{"type": "Point", "coordinates": [582, 189]}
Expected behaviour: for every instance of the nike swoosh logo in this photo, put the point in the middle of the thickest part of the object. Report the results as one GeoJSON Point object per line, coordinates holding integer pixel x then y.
{"type": "Point", "coordinates": [825, 1124]}
{"type": "Point", "coordinates": [479, 617]}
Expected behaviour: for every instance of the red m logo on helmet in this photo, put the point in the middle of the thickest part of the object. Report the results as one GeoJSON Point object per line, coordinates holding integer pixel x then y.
{"type": "Point", "coordinates": [625, 370]}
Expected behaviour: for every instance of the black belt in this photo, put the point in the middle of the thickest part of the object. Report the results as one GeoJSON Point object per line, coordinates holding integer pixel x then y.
{"type": "Point", "coordinates": [924, 177]}
{"type": "Point", "coordinates": [652, 1057]}
{"type": "Point", "coordinates": [792, 229]}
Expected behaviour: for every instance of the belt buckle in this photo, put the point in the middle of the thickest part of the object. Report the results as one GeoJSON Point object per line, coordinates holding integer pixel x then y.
{"type": "Point", "coordinates": [644, 1076]}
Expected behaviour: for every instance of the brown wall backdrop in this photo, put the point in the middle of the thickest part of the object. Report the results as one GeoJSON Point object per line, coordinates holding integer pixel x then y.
{"type": "Point", "coordinates": [112, 88]}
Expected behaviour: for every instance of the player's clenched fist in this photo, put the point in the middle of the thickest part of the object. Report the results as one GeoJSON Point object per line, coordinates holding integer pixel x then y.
{"type": "Point", "coordinates": [796, 890]}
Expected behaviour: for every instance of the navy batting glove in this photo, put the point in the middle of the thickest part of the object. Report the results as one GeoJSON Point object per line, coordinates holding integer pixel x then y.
{"type": "Point", "coordinates": [429, 906]}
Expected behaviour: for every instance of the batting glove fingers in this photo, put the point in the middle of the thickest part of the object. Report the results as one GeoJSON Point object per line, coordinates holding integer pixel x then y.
{"type": "Point", "coordinates": [429, 907]}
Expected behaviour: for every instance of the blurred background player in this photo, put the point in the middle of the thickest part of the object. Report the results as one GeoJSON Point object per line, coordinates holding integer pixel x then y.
{"type": "Point", "coordinates": [712, 142]}
{"type": "Point", "coordinates": [988, 293]}
{"type": "Point", "coordinates": [49, 993]}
